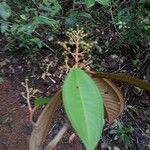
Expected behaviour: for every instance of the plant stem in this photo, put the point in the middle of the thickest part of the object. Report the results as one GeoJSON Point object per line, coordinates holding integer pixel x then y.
{"type": "Point", "coordinates": [77, 49]}
{"type": "Point", "coordinates": [28, 95]}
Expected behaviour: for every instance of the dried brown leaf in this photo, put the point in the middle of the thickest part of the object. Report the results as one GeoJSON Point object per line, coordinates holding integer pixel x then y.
{"type": "Point", "coordinates": [112, 97]}
{"type": "Point", "coordinates": [41, 127]}
{"type": "Point", "coordinates": [124, 79]}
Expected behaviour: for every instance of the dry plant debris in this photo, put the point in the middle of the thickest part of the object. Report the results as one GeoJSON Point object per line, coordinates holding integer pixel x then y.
{"type": "Point", "coordinates": [45, 67]}
{"type": "Point", "coordinates": [30, 93]}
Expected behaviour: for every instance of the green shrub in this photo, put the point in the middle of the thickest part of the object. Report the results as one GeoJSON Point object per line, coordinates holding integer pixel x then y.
{"type": "Point", "coordinates": [23, 22]}
{"type": "Point", "coordinates": [132, 20]}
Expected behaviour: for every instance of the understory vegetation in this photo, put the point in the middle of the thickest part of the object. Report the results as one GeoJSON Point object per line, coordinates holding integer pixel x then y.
{"type": "Point", "coordinates": [87, 43]}
{"type": "Point", "coordinates": [29, 26]}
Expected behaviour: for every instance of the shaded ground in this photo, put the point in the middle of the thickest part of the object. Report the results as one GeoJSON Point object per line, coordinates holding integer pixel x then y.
{"type": "Point", "coordinates": [15, 128]}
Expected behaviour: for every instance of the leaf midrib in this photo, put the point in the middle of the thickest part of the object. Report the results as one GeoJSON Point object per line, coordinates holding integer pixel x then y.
{"type": "Point", "coordinates": [76, 76]}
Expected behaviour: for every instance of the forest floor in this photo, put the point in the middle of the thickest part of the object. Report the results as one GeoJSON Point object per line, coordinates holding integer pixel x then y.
{"type": "Point", "coordinates": [15, 129]}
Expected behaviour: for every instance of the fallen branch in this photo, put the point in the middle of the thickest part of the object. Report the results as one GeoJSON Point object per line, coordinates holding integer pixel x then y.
{"type": "Point", "coordinates": [57, 138]}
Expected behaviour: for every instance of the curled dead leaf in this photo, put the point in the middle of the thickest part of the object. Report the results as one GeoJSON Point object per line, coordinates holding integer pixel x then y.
{"type": "Point", "coordinates": [41, 127]}
{"type": "Point", "coordinates": [112, 97]}
{"type": "Point", "coordinates": [124, 79]}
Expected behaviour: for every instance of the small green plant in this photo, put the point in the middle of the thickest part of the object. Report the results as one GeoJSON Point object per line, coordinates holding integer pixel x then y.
{"type": "Point", "coordinates": [84, 96]}
{"type": "Point", "coordinates": [90, 3]}
{"type": "Point", "coordinates": [123, 133]}
{"type": "Point", "coordinates": [39, 101]}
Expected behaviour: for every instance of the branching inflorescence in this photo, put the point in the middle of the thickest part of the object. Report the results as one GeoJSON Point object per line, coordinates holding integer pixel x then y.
{"type": "Point", "coordinates": [30, 93]}
{"type": "Point", "coordinates": [77, 48]}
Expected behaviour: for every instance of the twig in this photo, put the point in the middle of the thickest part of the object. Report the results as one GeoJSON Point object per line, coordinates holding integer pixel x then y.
{"type": "Point", "coordinates": [71, 138]}
{"type": "Point", "coordinates": [57, 138]}
{"type": "Point", "coordinates": [29, 94]}
{"type": "Point", "coordinates": [77, 47]}
{"type": "Point", "coordinates": [138, 125]}
{"type": "Point", "coordinates": [44, 42]}
{"type": "Point", "coordinates": [73, 6]}
{"type": "Point", "coordinates": [48, 46]}
{"type": "Point", "coordinates": [46, 72]}
{"type": "Point", "coordinates": [113, 20]}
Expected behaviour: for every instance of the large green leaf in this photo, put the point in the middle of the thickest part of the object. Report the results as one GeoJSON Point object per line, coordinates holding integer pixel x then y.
{"type": "Point", "coordinates": [103, 2]}
{"type": "Point", "coordinates": [50, 7]}
{"type": "Point", "coordinates": [4, 27]}
{"type": "Point", "coordinates": [84, 107]}
{"type": "Point", "coordinates": [90, 3]}
{"type": "Point", "coordinates": [5, 10]}
{"type": "Point", "coordinates": [43, 20]}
